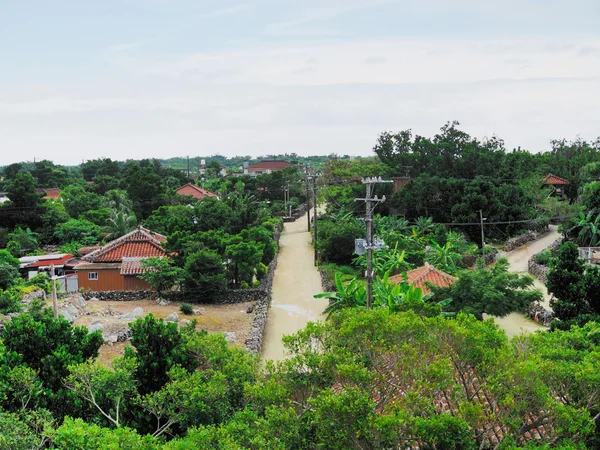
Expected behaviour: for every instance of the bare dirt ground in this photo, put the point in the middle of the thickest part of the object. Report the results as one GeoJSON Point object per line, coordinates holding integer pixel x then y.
{"type": "Point", "coordinates": [213, 318]}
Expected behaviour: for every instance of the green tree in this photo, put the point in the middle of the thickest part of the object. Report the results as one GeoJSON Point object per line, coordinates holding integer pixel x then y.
{"type": "Point", "coordinates": [157, 347]}
{"type": "Point", "coordinates": [243, 259]}
{"type": "Point", "coordinates": [574, 286]}
{"type": "Point", "coordinates": [106, 389]}
{"type": "Point", "coordinates": [205, 275]}
{"type": "Point", "coordinates": [78, 200]}
{"type": "Point", "coordinates": [78, 230]}
{"type": "Point", "coordinates": [21, 191]}
{"type": "Point", "coordinates": [9, 269]}
{"type": "Point", "coordinates": [494, 291]}
{"type": "Point", "coordinates": [588, 227]}
{"type": "Point", "coordinates": [161, 274]}
{"type": "Point", "coordinates": [48, 346]}
{"type": "Point", "coordinates": [119, 223]}
{"type": "Point", "coordinates": [22, 241]}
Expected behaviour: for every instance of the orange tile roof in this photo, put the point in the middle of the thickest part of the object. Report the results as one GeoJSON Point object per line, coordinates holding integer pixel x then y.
{"type": "Point", "coordinates": [195, 191]}
{"type": "Point", "coordinates": [555, 180]}
{"type": "Point", "coordinates": [49, 192]}
{"type": "Point", "coordinates": [425, 274]}
{"type": "Point", "coordinates": [140, 243]}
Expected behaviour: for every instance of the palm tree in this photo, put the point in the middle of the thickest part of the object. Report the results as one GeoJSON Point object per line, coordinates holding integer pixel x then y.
{"type": "Point", "coordinates": [120, 223]}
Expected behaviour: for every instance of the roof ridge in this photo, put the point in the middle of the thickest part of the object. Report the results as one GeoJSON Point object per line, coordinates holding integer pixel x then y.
{"type": "Point", "coordinates": [120, 240]}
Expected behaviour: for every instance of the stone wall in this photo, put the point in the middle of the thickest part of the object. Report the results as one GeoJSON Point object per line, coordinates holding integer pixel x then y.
{"type": "Point", "coordinates": [469, 261]}
{"type": "Point", "coordinates": [538, 270]}
{"type": "Point", "coordinates": [261, 308]}
{"type": "Point", "coordinates": [523, 239]}
{"type": "Point", "coordinates": [119, 296]}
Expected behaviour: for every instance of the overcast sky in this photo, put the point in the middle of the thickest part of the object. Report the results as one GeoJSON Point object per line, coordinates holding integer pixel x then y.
{"type": "Point", "coordinates": [162, 78]}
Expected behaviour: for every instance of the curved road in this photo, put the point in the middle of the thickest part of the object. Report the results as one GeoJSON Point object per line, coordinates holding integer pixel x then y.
{"type": "Point", "coordinates": [516, 323]}
{"type": "Point", "coordinates": [296, 281]}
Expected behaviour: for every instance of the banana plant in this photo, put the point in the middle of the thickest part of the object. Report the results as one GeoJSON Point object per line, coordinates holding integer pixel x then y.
{"type": "Point", "coordinates": [351, 295]}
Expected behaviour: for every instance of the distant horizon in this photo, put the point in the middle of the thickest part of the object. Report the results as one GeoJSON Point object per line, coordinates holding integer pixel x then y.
{"type": "Point", "coordinates": [147, 78]}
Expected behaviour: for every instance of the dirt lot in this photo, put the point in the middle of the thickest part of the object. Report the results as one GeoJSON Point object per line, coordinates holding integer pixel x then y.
{"type": "Point", "coordinates": [213, 318]}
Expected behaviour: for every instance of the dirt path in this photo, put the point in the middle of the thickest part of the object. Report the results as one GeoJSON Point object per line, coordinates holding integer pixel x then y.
{"type": "Point", "coordinates": [296, 281]}
{"type": "Point", "coordinates": [516, 323]}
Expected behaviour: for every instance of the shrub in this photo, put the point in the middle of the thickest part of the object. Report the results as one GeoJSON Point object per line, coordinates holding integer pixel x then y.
{"type": "Point", "coordinates": [186, 309]}
{"type": "Point", "coordinates": [543, 258]}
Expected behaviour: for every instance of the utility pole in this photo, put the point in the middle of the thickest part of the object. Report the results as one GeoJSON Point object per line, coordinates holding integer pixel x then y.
{"type": "Point", "coordinates": [284, 187]}
{"type": "Point", "coordinates": [481, 222]}
{"type": "Point", "coordinates": [370, 245]}
{"type": "Point", "coordinates": [315, 218]}
{"type": "Point", "coordinates": [188, 161]}
{"type": "Point", "coordinates": [307, 199]}
{"type": "Point", "coordinates": [54, 299]}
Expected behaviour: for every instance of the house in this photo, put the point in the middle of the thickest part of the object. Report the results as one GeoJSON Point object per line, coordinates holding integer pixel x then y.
{"type": "Point", "coordinates": [4, 197]}
{"type": "Point", "coordinates": [559, 184]}
{"type": "Point", "coordinates": [49, 192]}
{"type": "Point", "coordinates": [32, 265]}
{"type": "Point", "coordinates": [421, 276]}
{"type": "Point", "coordinates": [115, 266]}
{"type": "Point", "coordinates": [195, 191]}
{"type": "Point", "coordinates": [265, 166]}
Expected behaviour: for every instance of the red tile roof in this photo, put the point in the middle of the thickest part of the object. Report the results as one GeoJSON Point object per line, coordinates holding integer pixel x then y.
{"type": "Point", "coordinates": [132, 266]}
{"type": "Point", "coordinates": [269, 165]}
{"type": "Point", "coordinates": [50, 192]}
{"type": "Point", "coordinates": [140, 243]}
{"type": "Point", "coordinates": [425, 274]}
{"type": "Point", "coordinates": [195, 191]}
{"type": "Point", "coordinates": [555, 180]}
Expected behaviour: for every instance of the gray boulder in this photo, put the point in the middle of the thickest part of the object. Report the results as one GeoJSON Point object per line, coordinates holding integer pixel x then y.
{"type": "Point", "coordinates": [184, 322]}
{"type": "Point", "coordinates": [38, 293]}
{"type": "Point", "coordinates": [96, 321]}
{"type": "Point", "coordinates": [124, 335]}
{"type": "Point", "coordinates": [138, 312]}
{"type": "Point", "coordinates": [126, 316]}
{"type": "Point", "coordinates": [95, 327]}
{"type": "Point", "coordinates": [67, 316]}
{"type": "Point", "coordinates": [197, 312]}
{"type": "Point", "coordinates": [173, 317]}
{"type": "Point", "coordinates": [79, 301]}
{"type": "Point", "coordinates": [163, 302]}
{"type": "Point", "coordinates": [72, 310]}
{"type": "Point", "coordinates": [230, 336]}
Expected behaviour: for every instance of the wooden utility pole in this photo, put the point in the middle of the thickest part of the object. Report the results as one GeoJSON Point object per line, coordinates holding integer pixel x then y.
{"type": "Point", "coordinates": [54, 299]}
{"type": "Point", "coordinates": [481, 222]}
{"type": "Point", "coordinates": [315, 218]}
{"type": "Point", "coordinates": [307, 199]}
{"type": "Point", "coordinates": [188, 161]}
{"type": "Point", "coordinates": [370, 245]}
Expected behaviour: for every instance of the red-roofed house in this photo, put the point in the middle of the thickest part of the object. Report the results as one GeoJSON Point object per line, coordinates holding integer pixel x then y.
{"type": "Point", "coordinates": [115, 266]}
{"type": "Point", "coordinates": [195, 191]}
{"type": "Point", "coordinates": [559, 184]}
{"type": "Point", "coordinates": [420, 276]}
{"type": "Point", "coordinates": [266, 166]}
{"type": "Point", "coordinates": [49, 192]}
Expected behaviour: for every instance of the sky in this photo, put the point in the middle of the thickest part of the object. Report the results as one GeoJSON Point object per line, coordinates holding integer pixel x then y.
{"type": "Point", "coordinates": [131, 79]}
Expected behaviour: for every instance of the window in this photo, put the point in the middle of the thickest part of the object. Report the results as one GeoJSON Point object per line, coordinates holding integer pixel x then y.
{"type": "Point", "coordinates": [92, 275]}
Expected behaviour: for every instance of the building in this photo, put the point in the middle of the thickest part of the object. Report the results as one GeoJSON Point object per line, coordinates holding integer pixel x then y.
{"type": "Point", "coordinates": [421, 276]}
{"type": "Point", "coordinates": [559, 184]}
{"type": "Point", "coordinates": [195, 191]}
{"type": "Point", "coordinates": [32, 265]}
{"type": "Point", "coordinates": [266, 166]}
{"type": "Point", "coordinates": [115, 266]}
{"type": "Point", "coordinates": [399, 183]}
{"type": "Point", "coordinates": [49, 192]}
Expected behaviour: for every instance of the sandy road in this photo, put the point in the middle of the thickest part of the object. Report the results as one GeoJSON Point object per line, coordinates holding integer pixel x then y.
{"type": "Point", "coordinates": [516, 323]}
{"type": "Point", "coordinates": [296, 281]}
